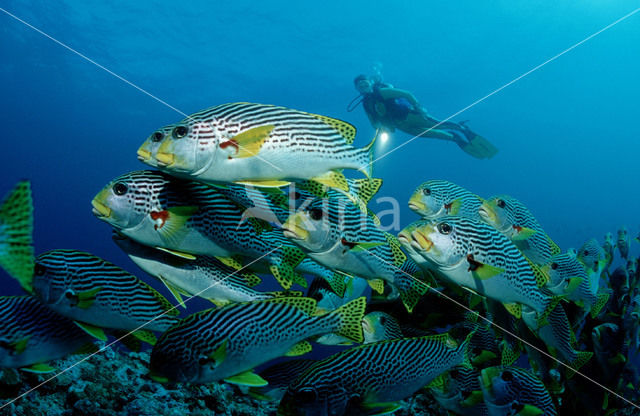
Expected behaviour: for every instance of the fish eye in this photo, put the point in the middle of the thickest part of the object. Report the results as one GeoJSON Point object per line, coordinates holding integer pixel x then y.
{"type": "Point", "coordinates": [383, 320]}
{"type": "Point", "coordinates": [203, 360]}
{"type": "Point", "coordinates": [586, 252]}
{"type": "Point", "coordinates": [296, 195]}
{"type": "Point", "coordinates": [444, 228]}
{"type": "Point", "coordinates": [120, 188]}
{"type": "Point", "coordinates": [426, 191]}
{"type": "Point", "coordinates": [554, 266]}
{"type": "Point", "coordinates": [315, 214]}
{"type": "Point", "coordinates": [179, 132]}
{"type": "Point", "coordinates": [40, 270]}
{"type": "Point", "coordinates": [507, 375]}
{"type": "Point", "coordinates": [454, 373]}
{"type": "Point", "coordinates": [157, 136]}
{"type": "Point", "coordinates": [307, 395]}
{"type": "Point", "coordinates": [68, 295]}
{"type": "Point", "coordinates": [500, 203]}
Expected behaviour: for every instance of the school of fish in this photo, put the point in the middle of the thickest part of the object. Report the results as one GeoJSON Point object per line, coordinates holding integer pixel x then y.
{"type": "Point", "coordinates": [473, 303]}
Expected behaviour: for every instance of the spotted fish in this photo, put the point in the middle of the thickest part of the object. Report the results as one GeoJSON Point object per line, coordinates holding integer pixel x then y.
{"type": "Point", "coordinates": [476, 256]}
{"type": "Point", "coordinates": [337, 234]}
{"type": "Point", "coordinates": [16, 229]}
{"type": "Point", "coordinates": [158, 210]}
{"type": "Point", "coordinates": [227, 343]}
{"type": "Point", "coordinates": [279, 376]}
{"type": "Point", "coordinates": [31, 334]}
{"type": "Point", "coordinates": [261, 144]}
{"type": "Point", "coordinates": [373, 376]}
{"type": "Point", "coordinates": [608, 247]}
{"type": "Point", "coordinates": [460, 392]}
{"type": "Point", "coordinates": [593, 256]}
{"type": "Point", "coordinates": [557, 335]}
{"type": "Point", "coordinates": [568, 278]}
{"type": "Point", "coordinates": [623, 242]}
{"type": "Point", "coordinates": [98, 294]}
{"type": "Point", "coordinates": [514, 391]}
{"type": "Point", "coordinates": [512, 218]}
{"type": "Point", "coordinates": [437, 198]}
{"type": "Point", "coordinates": [206, 277]}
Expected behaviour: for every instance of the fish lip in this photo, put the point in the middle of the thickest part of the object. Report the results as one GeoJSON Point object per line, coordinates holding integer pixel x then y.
{"type": "Point", "coordinates": [417, 236]}
{"type": "Point", "coordinates": [165, 159]}
{"type": "Point", "coordinates": [100, 210]}
{"type": "Point", "coordinates": [366, 326]}
{"type": "Point", "coordinates": [291, 233]}
{"type": "Point", "coordinates": [486, 213]}
{"type": "Point", "coordinates": [143, 155]}
{"type": "Point", "coordinates": [118, 236]}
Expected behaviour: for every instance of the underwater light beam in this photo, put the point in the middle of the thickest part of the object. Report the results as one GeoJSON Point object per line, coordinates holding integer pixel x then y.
{"type": "Point", "coordinates": [513, 81]}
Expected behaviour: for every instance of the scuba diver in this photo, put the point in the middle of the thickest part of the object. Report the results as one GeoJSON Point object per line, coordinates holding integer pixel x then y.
{"type": "Point", "coordinates": [390, 108]}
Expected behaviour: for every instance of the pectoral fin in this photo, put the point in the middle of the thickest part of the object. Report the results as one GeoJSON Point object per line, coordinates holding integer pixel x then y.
{"type": "Point", "coordinates": [219, 355]}
{"type": "Point", "coordinates": [19, 346]}
{"type": "Point", "coordinates": [86, 299]}
{"type": "Point", "coordinates": [248, 143]}
{"type": "Point", "coordinates": [264, 184]}
{"type": "Point", "coordinates": [453, 207]}
{"type": "Point", "coordinates": [480, 270]}
{"type": "Point", "coordinates": [522, 233]}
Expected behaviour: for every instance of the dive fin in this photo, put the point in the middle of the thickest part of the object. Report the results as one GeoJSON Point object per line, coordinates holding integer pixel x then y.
{"type": "Point", "coordinates": [248, 378]}
{"type": "Point", "coordinates": [92, 330]}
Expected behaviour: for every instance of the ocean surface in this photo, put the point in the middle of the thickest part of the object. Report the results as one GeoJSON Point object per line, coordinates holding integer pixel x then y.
{"type": "Point", "coordinates": [568, 129]}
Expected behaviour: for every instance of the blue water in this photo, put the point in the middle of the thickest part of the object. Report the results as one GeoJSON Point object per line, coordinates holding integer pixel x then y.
{"type": "Point", "coordinates": [567, 133]}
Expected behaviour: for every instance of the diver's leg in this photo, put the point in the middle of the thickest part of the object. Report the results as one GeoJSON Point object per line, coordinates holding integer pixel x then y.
{"type": "Point", "coordinates": [423, 126]}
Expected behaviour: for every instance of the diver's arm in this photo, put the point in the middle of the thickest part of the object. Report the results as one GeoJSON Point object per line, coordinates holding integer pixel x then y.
{"type": "Point", "coordinates": [390, 93]}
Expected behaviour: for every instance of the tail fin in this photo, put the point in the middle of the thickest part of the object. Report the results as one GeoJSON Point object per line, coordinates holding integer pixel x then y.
{"type": "Point", "coordinates": [350, 319]}
{"type": "Point", "coordinates": [582, 358]}
{"type": "Point", "coordinates": [601, 301]}
{"type": "Point", "coordinates": [410, 290]}
{"type": "Point", "coordinates": [16, 238]}
{"type": "Point", "coordinates": [368, 157]}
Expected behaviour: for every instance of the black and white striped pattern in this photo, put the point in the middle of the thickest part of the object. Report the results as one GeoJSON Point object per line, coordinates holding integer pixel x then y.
{"type": "Point", "coordinates": [384, 371]}
{"type": "Point", "coordinates": [431, 199]}
{"type": "Point", "coordinates": [121, 301]}
{"type": "Point", "coordinates": [49, 335]}
{"type": "Point", "coordinates": [516, 385]}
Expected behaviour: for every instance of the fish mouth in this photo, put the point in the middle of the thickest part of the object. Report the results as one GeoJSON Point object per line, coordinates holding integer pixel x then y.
{"type": "Point", "coordinates": [486, 377]}
{"type": "Point", "coordinates": [366, 326]}
{"type": "Point", "coordinates": [291, 229]}
{"type": "Point", "coordinates": [100, 210]}
{"type": "Point", "coordinates": [487, 213]}
{"type": "Point", "coordinates": [165, 159]}
{"type": "Point", "coordinates": [421, 241]}
{"type": "Point", "coordinates": [404, 237]}
{"type": "Point", "coordinates": [144, 155]}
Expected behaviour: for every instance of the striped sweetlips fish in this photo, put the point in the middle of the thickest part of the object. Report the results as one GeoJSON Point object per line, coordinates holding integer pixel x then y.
{"type": "Point", "coordinates": [148, 150]}
{"type": "Point", "coordinates": [608, 247]}
{"type": "Point", "coordinates": [512, 218]}
{"type": "Point", "coordinates": [337, 234]}
{"type": "Point", "coordinates": [372, 377]}
{"type": "Point", "coordinates": [261, 144]}
{"type": "Point", "coordinates": [623, 242]}
{"type": "Point", "coordinates": [228, 342]}
{"type": "Point", "coordinates": [31, 334]}
{"type": "Point", "coordinates": [557, 335]}
{"type": "Point", "coordinates": [188, 218]}
{"type": "Point", "coordinates": [16, 230]}
{"type": "Point", "coordinates": [476, 256]}
{"type": "Point", "coordinates": [460, 392]}
{"type": "Point", "coordinates": [515, 391]}
{"type": "Point", "coordinates": [593, 256]}
{"type": "Point", "coordinates": [437, 198]}
{"type": "Point", "coordinates": [204, 276]}
{"type": "Point", "coordinates": [568, 278]}
{"type": "Point", "coordinates": [98, 294]}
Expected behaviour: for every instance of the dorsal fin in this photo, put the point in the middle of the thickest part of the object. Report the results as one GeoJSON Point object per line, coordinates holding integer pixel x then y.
{"type": "Point", "coordinates": [346, 130]}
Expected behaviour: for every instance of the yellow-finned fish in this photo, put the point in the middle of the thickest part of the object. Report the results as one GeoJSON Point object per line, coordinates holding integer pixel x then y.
{"type": "Point", "coordinates": [259, 144]}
